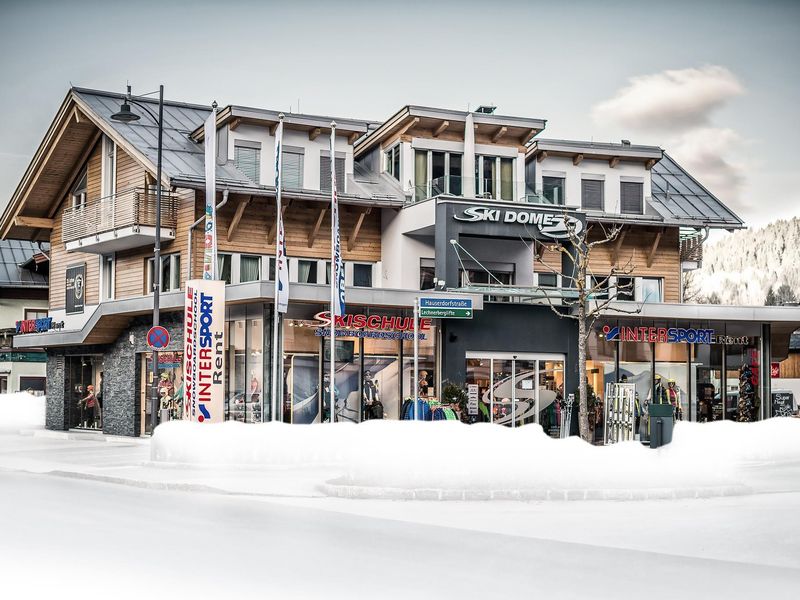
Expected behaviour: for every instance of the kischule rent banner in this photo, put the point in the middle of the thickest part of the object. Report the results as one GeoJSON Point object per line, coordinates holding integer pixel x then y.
{"type": "Point", "coordinates": [204, 351]}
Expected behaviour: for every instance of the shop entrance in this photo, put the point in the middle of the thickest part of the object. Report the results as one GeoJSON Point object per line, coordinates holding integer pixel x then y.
{"type": "Point", "coordinates": [84, 392]}
{"type": "Point", "coordinates": [170, 387]}
{"type": "Point", "coordinates": [518, 388]}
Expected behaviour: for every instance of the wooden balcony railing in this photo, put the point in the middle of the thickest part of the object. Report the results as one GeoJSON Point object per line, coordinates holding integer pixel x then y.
{"type": "Point", "coordinates": [132, 208]}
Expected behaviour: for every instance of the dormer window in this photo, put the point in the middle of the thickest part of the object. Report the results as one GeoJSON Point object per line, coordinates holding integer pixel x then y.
{"type": "Point", "coordinates": [78, 193]}
{"type": "Point", "coordinates": [247, 158]}
{"type": "Point", "coordinates": [392, 157]}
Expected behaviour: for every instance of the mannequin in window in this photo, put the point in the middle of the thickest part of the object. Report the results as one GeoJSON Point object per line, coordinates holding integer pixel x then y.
{"type": "Point", "coordinates": [422, 385]}
{"type": "Point", "coordinates": [373, 408]}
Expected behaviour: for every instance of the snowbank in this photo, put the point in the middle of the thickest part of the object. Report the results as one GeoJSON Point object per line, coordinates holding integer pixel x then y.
{"type": "Point", "coordinates": [21, 411]}
{"type": "Point", "coordinates": [446, 459]}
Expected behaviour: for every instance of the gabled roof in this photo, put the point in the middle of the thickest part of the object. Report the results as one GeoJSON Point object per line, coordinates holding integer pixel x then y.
{"type": "Point", "coordinates": [235, 115]}
{"type": "Point", "coordinates": [13, 255]}
{"type": "Point", "coordinates": [180, 155]}
{"type": "Point", "coordinates": [516, 131]}
{"type": "Point", "coordinates": [677, 196]}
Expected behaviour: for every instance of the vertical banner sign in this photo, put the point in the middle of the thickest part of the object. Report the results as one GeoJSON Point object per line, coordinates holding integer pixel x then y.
{"type": "Point", "coordinates": [76, 288]}
{"type": "Point", "coordinates": [337, 276]}
{"type": "Point", "coordinates": [204, 351]}
{"type": "Point", "coordinates": [281, 260]}
{"type": "Point", "coordinates": [210, 247]}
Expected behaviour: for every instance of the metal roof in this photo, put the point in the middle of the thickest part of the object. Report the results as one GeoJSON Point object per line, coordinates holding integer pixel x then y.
{"type": "Point", "coordinates": [181, 156]}
{"type": "Point", "coordinates": [605, 149]}
{"type": "Point", "coordinates": [677, 196]}
{"type": "Point", "coordinates": [14, 253]}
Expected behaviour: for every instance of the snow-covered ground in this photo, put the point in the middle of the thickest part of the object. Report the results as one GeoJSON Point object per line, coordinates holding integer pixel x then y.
{"type": "Point", "coordinates": [240, 511]}
{"type": "Point", "coordinates": [21, 410]}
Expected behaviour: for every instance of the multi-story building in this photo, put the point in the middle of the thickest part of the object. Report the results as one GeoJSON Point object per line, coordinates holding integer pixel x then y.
{"type": "Point", "coordinates": [448, 203]}
{"type": "Point", "coordinates": [23, 307]}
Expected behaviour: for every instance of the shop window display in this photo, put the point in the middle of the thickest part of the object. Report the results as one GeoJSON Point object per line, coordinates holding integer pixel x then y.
{"type": "Point", "coordinates": [706, 371]}
{"type": "Point", "coordinates": [170, 386]}
{"type": "Point", "coordinates": [671, 367]}
{"type": "Point", "coordinates": [600, 371]}
{"type": "Point", "coordinates": [742, 402]}
{"type": "Point", "coordinates": [245, 335]}
{"type": "Point", "coordinates": [84, 379]}
{"type": "Point", "coordinates": [635, 364]}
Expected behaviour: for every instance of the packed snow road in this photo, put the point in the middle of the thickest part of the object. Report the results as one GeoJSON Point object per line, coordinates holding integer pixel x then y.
{"type": "Point", "coordinates": [77, 538]}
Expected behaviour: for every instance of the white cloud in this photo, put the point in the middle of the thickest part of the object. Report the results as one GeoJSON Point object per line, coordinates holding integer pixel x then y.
{"type": "Point", "coordinates": [672, 100]}
{"type": "Point", "coordinates": [703, 153]}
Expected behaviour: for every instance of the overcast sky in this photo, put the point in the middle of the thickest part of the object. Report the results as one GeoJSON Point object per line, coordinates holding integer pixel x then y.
{"type": "Point", "coordinates": [714, 83]}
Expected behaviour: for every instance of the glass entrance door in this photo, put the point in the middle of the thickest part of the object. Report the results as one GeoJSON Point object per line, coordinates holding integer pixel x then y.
{"type": "Point", "coordinates": [516, 389]}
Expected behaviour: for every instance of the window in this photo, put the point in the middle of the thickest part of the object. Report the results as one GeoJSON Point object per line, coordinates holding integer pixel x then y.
{"type": "Point", "coordinates": [35, 313]}
{"type": "Point", "coordinates": [362, 275]}
{"type": "Point", "coordinates": [292, 168]}
{"type": "Point", "coordinates": [436, 173]}
{"type": "Point", "coordinates": [270, 268]}
{"type": "Point", "coordinates": [170, 273]}
{"type": "Point", "coordinates": [108, 167]}
{"type": "Point", "coordinates": [79, 191]}
{"type": "Point", "coordinates": [224, 267]}
{"type": "Point", "coordinates": [249, 268]}
{"type": "Point", "coordinates": [626, 289]}
{"type": "Point", "coordinates": [547, 280]}
{"type": "Point", "coordinates": [106, 277]}
{"type": "Point", "coordinates": [631, 198]}
{"type": "Point", "coordinates": [393, 161]}
{"type": "Point", "coordinates": [420, 174]}
{"type": "Point", "coordinates": [592, 194]}
{"type": "Point", "coordinates": [553, 190]}
{"type": "Point", "coordinates": [507, 178]}
{"type": "Point", "coordinates": [485, 176]}
{"type": "Point", "coordinates": [600, 285]}
{"type": "Point", "coordinates": [247, 158]}
{"type": "Point", "coordinates": [650, 289]}
{"type": "Point", "coordinates": [427, 273]}
{"type": "Point", "coordinates": [454, 172]}
{"type": "Point", "coordinates": [325, 172]}
{"type": "Point", "coordinates": [307, 271]}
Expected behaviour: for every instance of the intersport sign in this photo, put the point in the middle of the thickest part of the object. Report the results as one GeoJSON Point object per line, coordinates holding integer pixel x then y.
{"type": "Point", "coordinates": [552, 225]}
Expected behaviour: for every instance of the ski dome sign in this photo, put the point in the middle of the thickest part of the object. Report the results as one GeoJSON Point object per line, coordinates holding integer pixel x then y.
{"type": "Point", "coordinates": [553, 225]}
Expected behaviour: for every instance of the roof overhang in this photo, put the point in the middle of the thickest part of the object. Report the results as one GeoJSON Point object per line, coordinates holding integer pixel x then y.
{"type": "Point", "coordinates": [433, 122]}
{"type": "Point", "coordinates": [315, 125]}
{"type": "Point", "coordinates": [577, 151]}
{"type": "Point", "coordinates": [110, 318]}
{"type": "Point", "coordinates": [268, 191]}
{"type": "Point", "coordinates": [656, 220]}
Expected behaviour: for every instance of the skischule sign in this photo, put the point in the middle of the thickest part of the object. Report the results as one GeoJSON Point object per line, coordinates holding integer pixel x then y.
{"type": "Point", "coordinates": [553, 225]}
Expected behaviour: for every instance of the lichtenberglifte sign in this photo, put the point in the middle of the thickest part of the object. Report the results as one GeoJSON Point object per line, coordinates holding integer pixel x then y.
{"type": "Point", "coordinates": [387, 327]}
{"type": "Point", "coordinates": [204, 351]}
{"type": "Point", "coordinates": [669, 335]}
{"type": "Point", "coordinates": [553, 225]}
{"type": "Point", "coordinates": [75, 288]}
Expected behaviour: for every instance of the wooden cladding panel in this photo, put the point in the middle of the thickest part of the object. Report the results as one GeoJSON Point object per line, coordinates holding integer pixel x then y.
{"type": "Point", "coordinates": [635, 248]}
{"type": "Point", "coordinates": [94, 177]}
{"type": "Point", "coordinates": [299, 220]}
{"type": "Point", "coordinates": [60, 259]}
{"type": "Point", "coordinates": [130, 174]}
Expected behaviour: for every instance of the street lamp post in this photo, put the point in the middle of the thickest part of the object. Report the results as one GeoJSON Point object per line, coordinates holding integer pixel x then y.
{"type": "Point", "coordinates": [125, 115]}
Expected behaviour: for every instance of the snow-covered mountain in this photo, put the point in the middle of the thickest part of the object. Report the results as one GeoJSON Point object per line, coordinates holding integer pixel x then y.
{"type": "Point", "coordinates": [742, 267]}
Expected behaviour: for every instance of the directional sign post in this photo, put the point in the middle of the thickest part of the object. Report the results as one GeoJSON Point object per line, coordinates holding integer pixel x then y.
{"type": "Point", "coordinates": [445, 308]}
{"type": "Point", "coordinates": [157, 338]}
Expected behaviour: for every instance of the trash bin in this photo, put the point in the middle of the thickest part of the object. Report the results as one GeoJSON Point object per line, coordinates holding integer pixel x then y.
{"type": "Point", "coordinates": [661, 424]}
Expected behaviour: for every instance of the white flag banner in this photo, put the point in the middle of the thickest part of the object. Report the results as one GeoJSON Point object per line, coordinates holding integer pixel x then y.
{"type": "Point", "coordinates": [204, 351]}
{"type": "Point", "coordinates": [210, 247]}
{"type": "Point", "coordinates": [337, 274]}
{"type": "Point", "coordinates": [281, 260]}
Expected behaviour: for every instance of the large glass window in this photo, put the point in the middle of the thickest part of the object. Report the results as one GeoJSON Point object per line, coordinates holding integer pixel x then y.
{"type": "Point", "coordinates": [170, 273]}
{"type": "Point", "coordinates": [671, 368]}
{"type": "Point", "coordinates": [420, 175]}
{"type": "Point", "coordinates": [427, 273]}
{"type": "Point", "coordinates": [635, 364]}
{"type": "Point", "coordinates": [246, 335]}
{"type": "Point", "coordinates": [742, 383]}
{"type": "Point", "coordinates": [507, 178]}
{"type": "Point", "coordinates": [454, 172]}
{"type": "Point", "coordinates": [438, 174]}
{"type": "Point", "coordinates": [706, 372]}
{"type": "Point", "coordinates": [553, 190]}
{"type": "Point", "coordinates": [393, 161]}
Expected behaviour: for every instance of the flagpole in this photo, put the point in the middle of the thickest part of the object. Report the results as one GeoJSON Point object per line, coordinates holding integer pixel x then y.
{"type": "Point", "coordinates": [334, 274]}
{"type": "Point", "coordinates": [276, 353]}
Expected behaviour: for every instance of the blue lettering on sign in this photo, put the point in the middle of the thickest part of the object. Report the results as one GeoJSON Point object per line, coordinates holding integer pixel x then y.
{"type": "Point", "coordinates": [206, 306]}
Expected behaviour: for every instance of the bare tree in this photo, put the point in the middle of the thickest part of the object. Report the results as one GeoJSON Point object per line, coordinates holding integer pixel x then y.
{"type": "Point", "coordinates": [691, 288]}
{"type": "Point", "coordinates": [587, 296]}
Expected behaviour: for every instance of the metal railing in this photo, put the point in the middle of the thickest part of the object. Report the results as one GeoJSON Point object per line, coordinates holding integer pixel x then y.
{"type": "Point", "coordinates": [135, 207]}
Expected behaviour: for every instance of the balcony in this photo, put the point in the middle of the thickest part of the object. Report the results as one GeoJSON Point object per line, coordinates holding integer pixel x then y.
{"type": "Point", "coordinates": [691, 249]}
{"type": "Point", "coordinates": [119, 222]}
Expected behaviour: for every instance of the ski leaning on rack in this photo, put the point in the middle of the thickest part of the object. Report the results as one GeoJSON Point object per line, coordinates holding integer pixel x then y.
{"type": "Point", "coordinates": [619, 412]}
